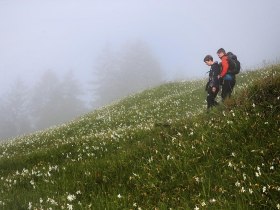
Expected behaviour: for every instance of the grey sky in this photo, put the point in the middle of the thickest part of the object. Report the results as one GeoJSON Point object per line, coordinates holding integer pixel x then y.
{"type": "Point", "coordinates": [62, 35]}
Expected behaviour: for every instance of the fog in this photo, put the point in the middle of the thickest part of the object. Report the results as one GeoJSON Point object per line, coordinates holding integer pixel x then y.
{"type": "Point", "coordinates": [90, 39]}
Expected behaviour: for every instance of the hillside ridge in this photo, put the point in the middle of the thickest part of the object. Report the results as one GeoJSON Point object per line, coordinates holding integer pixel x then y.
{"type": "Point", "coordinates": [158, 149]}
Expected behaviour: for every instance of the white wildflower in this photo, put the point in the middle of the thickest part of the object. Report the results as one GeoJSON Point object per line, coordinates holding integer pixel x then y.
{"type": "Point", "coordinates": [52, 201]}
{"type": "Point", "coordinates": [168, 157]}
{"type": "Point", "coordinates": [71, 197]}
{"type": "Point", "coordinates": [136, 175]}
{"type": "Point", "coordinates": [250, 191]}
{"type": "Point", "coordinates": [69, 206]}
{"type": "Point", "coordinates": [237, 184]}
{"type": "Point", "coordinates": [32, 183]}
{"type": "Point", "coordinates": [244, 176]}
{"type": "Point", "coordinates": [196, 179]}
{"type": "Point", "coordinates": [259, 172]}
{"type": "Point", "coordinates": [119, 196]}
{"type": "Point", "coordinates": [29, 205]}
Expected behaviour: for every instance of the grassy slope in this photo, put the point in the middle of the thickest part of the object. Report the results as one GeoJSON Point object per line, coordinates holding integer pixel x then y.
{"type": "Point", "coordinates": [155, 150]}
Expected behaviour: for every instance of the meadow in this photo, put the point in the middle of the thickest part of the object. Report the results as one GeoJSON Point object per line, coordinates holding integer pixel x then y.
{"type": "Point", "coordinates": [158, 149]}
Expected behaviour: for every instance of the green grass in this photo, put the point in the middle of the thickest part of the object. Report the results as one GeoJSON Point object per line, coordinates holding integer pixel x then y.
{"type": "Point", "coordinates": [158, 149]}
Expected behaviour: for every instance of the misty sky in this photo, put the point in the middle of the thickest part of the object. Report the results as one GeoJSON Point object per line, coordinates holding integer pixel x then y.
{"type": "Point", "coordinates": [63, 35]}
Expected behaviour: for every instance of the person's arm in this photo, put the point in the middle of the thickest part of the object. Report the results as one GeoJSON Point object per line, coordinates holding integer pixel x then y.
{"type": "Point", "coordinates": [225, 67]}
{"type": "Point", "coordinates": [216, 71]}
{"type": "Point", "coordinates": [207, 86]}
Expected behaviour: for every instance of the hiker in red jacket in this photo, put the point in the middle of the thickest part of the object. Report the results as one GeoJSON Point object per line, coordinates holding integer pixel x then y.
{"type": "Point", "coordinates": [226, 79]}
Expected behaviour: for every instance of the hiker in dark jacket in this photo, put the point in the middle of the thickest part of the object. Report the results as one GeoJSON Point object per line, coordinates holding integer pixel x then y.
{"type": "Point", "coordinates": [213, 84]}
{"type": "Point", "coordinates": [226, 79]}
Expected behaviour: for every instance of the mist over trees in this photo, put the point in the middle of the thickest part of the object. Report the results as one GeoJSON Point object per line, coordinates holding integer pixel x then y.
{"type": "Point", "coordinates": [54, 99]}
{"type": "Point", "coordinates": [50, 102]}
{"type": "Point", "coordinates": [130, 70]}
{"type": "Point", "coordinates": [14, 112]}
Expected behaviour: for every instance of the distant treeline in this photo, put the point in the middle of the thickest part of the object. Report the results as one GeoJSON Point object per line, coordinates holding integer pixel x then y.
{"type": "Point", "coordinates": [54, 100]}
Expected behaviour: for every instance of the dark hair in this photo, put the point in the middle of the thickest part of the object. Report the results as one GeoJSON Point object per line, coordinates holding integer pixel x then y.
{"type": "Point", "coordinates": [208, 58]}
{"type": "Point", "coordinates": [221, 50]}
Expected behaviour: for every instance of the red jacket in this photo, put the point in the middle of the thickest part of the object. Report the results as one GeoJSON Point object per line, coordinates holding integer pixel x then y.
{"type": "Point", "coordinates": [225, 66]}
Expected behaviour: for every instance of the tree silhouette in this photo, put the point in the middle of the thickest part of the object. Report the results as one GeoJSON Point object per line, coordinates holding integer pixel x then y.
{"type": "Point", "coordinates": [14, 115]}
{"type": "Point", "coordinates": [121, 74]}
{"type": "Point", "coordinates": [55, 101]}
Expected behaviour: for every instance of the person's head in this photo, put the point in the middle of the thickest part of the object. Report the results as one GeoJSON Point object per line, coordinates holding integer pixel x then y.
{"type": "Point", "coordinates": [208, 60]}
{"type": "Point", "coordinates": [221, 52]}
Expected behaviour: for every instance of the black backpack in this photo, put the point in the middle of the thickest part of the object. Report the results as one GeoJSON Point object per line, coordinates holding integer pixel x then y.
{"type": "Point", "coordinates": [234, 64]}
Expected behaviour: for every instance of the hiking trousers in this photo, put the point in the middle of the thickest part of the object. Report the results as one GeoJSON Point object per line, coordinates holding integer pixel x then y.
{"type": "Point", "coordinates": [211, 98]}
{"type": "Point", "coordinates": [227, 88]}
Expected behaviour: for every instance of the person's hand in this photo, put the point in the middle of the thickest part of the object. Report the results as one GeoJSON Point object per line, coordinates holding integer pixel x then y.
{"type": "Point", "coordinates": [221, 80]}
{"type": "Point", "coordinates": [214, 89]}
